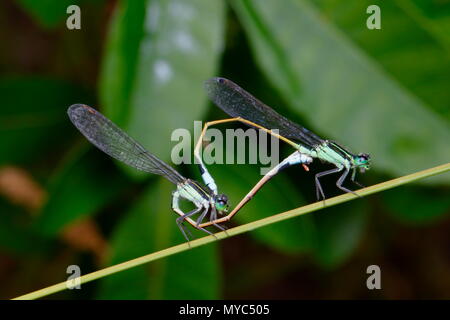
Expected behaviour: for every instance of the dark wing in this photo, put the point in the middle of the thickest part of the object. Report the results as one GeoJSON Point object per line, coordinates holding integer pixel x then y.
{"type": "Point", "coordinates": [239, 103]}
{"type": "Point", "coordinates": [109, 138]}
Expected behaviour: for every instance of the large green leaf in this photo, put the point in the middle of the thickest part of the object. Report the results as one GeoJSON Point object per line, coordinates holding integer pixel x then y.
{"type": "Point", "coordinates": [432, 16]}
{"type": "Point", "coordinates": [120, 58]}
{"type": "Point", "coordinates": [341, 91]}
{"type": "Point", "coordinates": [81, 187]}
{"type": "Point", "coordinates": [33, 118]}
{"type": "Point", "coordinates": [155, 65]}
{"type": "Point", "coordinates": [412, 31]}
{"type": "Point", "coordinates": [150, 226]}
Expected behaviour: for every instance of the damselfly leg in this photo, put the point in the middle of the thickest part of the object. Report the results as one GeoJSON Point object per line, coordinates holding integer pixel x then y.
{"type": "Point", "coordinates": [339, 182]}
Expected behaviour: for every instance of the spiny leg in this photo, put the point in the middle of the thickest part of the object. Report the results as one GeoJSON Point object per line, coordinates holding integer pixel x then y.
{"type": "Point", "coordinates": [207, 231]}
{"type": "Point", "coordinates": [213, 218]}
{"type": "Point", "coordinates": [352, 179]}
{"type": "Point", "coordinates": [183, 216]}
{"type": "Point", "coordinates": [186, 233]}
{"type": "Point", "coordinates": [341, 181]}
{"type": "Point", "coordinates": [358, 183]}
{"type": "Point", "coordinates": [221, 228]}
{"type": "Point", "coordinates": [181, 219]}
{"type": "Point", "coordinates": [202, 216]}
{"type": "Point", "coordinates": [319, 186]}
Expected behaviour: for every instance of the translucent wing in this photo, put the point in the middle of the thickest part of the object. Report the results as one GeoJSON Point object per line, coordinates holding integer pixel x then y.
{"type": "Point", "coordinates": [239, 103]}
{"type": "Point", "coordinates": [109, 138]}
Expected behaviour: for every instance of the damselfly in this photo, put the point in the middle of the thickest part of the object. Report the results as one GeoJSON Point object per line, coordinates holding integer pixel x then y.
{"type": "Point", "coordinates": [109, 138]}
{"type": "Point", "coordinates": [245, 108]}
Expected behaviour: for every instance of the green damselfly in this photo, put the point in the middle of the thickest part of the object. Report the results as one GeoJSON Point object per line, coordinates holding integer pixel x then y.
{"type": "Point", "coordinates": [293, 159]}
{"type": "Point", "coordinates": [243, 107]}
{"type": "Point", "coordinates": [109, 138]}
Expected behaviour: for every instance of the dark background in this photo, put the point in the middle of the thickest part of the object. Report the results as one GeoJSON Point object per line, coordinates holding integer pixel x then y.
{"type": "Point", "coordinates": [142, 63]}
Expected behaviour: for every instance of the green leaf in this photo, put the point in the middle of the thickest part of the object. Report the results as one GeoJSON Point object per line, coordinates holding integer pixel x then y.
{"type": "Point", "coordinates": [79, 189]}
{"type": "Point", "coordinates": [432, 16]}
{"type": "Point", "coordinates": [343, 92]}
{"type": "Point", "coordinates": [417, 205]}
{"type": "Point", "coordinates": [32, 115]}
{"type": "Point", "coordinates": [153, 84]}
{"type": "Point", "coordinates": [411, 31]}
{"type": "Point", "coordinates": [150, 226]}
{"type": "Point", "coordinates": [49, 13]}
{"type": "Point", "coordinates": [339, 231]}
{"type": "Point", "coordinates": [121, 57]}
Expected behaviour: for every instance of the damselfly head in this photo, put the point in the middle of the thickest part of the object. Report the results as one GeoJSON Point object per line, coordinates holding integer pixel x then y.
{"type": "Point", "coordinates": [362, 161]}
{"type": "Point", "coordinates": [221, 202]}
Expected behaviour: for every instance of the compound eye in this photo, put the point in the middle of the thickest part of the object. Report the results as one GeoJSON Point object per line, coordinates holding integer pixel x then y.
{"type": "Point", "coordinates": [365, 156]}
{"type": "Point", "coordinates": [220, 205]}
{"type": "Point", "coordinates": [222, 198]}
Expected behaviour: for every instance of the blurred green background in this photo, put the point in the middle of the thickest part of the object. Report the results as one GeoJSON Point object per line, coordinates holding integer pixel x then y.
{"type": "Point", "coordinates": [142, 63]}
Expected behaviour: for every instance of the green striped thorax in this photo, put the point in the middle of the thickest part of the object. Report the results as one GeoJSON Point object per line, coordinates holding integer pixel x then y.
{"type": "Point", "coordinates": [332, 152]}
{"type": "Point", "coordinates": [221, 203]}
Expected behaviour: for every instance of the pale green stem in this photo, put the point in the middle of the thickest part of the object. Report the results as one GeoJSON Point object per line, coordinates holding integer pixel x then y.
{"type": "Point", "coordinates": [237, 230]}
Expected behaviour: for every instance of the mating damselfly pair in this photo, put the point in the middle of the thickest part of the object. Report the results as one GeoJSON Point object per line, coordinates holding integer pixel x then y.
{"type": "Point", "coordinates": [211, 207]}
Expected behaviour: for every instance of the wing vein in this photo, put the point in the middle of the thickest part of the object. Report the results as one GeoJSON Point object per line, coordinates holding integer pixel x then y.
{"type": "Point", "coordinates": [112, 140]}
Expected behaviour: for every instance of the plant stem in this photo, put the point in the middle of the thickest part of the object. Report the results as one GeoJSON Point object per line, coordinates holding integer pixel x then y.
{"type": "Point", "coordinates": [240, 229]}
